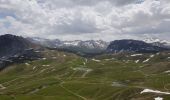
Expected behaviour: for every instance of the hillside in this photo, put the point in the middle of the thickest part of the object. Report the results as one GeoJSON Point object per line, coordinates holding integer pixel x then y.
{"type": "Point", "coordinates": [66, 76]}
{"type": "Point", "coordinates": [131, 70]}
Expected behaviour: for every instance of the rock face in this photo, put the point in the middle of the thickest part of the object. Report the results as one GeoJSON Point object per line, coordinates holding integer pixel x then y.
{"type": "Point", "coordinates": [133, 46]}
{"type": "Point", "coordinates": [12, 45]}
{"type": "Point", "coordinates": [14, 49]}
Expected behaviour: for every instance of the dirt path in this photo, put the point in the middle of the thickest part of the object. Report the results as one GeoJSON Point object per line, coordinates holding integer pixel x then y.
{"type": "Point", "coordinates": [83, 98]}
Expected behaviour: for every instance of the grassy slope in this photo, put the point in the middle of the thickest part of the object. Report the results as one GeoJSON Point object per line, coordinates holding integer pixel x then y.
{"type": "Point", "coordinates": [64, 76]}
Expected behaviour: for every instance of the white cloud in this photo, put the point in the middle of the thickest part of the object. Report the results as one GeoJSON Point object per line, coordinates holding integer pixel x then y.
{"type": "Point", "coordinates": [85, 19]}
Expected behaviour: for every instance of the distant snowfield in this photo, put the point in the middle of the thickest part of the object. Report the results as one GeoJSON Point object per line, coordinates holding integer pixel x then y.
{"type": "Point", "coordinates": [154, 91]}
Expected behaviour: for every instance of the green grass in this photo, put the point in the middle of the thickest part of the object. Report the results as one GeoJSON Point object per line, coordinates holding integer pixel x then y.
{"type": "Point", "coordinates": [56, 79]}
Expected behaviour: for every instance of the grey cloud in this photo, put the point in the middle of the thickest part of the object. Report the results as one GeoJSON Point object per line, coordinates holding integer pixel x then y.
{"type": "Point", "coordinates": [115, 2]}
{"type": "Point", "coordinates": [91, 18]}
{"type": "Point", "coordinates": [77, 27]}
{"type": "Point", "coordinates": [74, 3]}
{"type": "Point", "coordinates": [124, 2]}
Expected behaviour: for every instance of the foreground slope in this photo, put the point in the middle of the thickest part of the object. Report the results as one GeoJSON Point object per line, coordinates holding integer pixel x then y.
{"type": "Point", "coordinates": [66, 76]}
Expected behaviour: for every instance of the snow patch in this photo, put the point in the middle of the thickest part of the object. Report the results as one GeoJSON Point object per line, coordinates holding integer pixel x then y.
{"type": "Point", "coordinates": [27, 64]}
{"type": "Point", "coordinates": [34, 67]}
{"type": "Point", "coordinates": [134, 55]}
{"type": "Point", "coordinates": [84, 63]}
{"type": "Point", "coordinates": [168, 71]}
{"type": "Point", "coordinates": [54, 57]}
{"type": "Point", "coordinates": [96, 60]}
{"type": "Point", "coordinates": [157, 53]}
{"type": "Point", "coordinates": [117, 84]}
{"type": "Point", "coordinates": [158, 98]}
{"type": "Point", "coordinates": [71, 43]}
{"type": "Point", "coordinates": [45, 65]}
{"type": "Point", "coordinates": [153, 91]}
{"type": "Point", "coordinates": [44, 58]}
{"type": "Point", "coordinates": [137, 61]}
{"type": "Point", "coordinates": [2, 87]}
{"type": "Point", "coordinates": [152, 56]}
{"type": "Point", "coordinates": [37, 51]}
{"type": "Point", "coordinates": [146, 60]}
{"type": "Point", "coordinates": [43, 70]}
{"type": "Point", "coordinates": [109, 59]}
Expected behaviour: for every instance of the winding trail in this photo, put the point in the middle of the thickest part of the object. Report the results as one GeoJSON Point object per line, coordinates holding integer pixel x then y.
{"type": "Point", "coordinates": [83, 98]}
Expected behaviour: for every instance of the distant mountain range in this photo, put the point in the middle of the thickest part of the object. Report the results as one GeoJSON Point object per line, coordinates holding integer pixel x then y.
{"type": "Point", "coordinates": [92, 47]}
{"type": "Point", "coordinates": [90, 44]}
{"type": "Point", "coordinates": [18, 49]}
{"type": "Point", "coordinates": [89, 47]}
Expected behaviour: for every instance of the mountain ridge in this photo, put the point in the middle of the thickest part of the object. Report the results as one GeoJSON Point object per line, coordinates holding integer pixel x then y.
{"type": "Point", "coordinates": [130, 45]}
{"type": "Point", "coordinates": [83, 48]}
{"type": "Point", "coordinates": [15, 49]}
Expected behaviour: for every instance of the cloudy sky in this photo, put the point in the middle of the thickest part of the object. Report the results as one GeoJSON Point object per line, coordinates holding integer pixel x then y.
{"type": "Point", "coordinates": [86, 19]}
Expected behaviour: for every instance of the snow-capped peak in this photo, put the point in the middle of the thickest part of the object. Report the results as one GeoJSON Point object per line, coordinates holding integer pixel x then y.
{"type": "Point", "coordinates": [149, 39]}
{"type": "Point", "coordinates": [153, 40]}
{"type": "Point", "coordinates": [157, 42]}
{"type": "Point", "coordinates": [88, 44]}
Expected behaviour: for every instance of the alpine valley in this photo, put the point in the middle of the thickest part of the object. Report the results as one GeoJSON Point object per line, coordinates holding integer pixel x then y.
{"type": "Point", "coordinates": [44, 69]}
